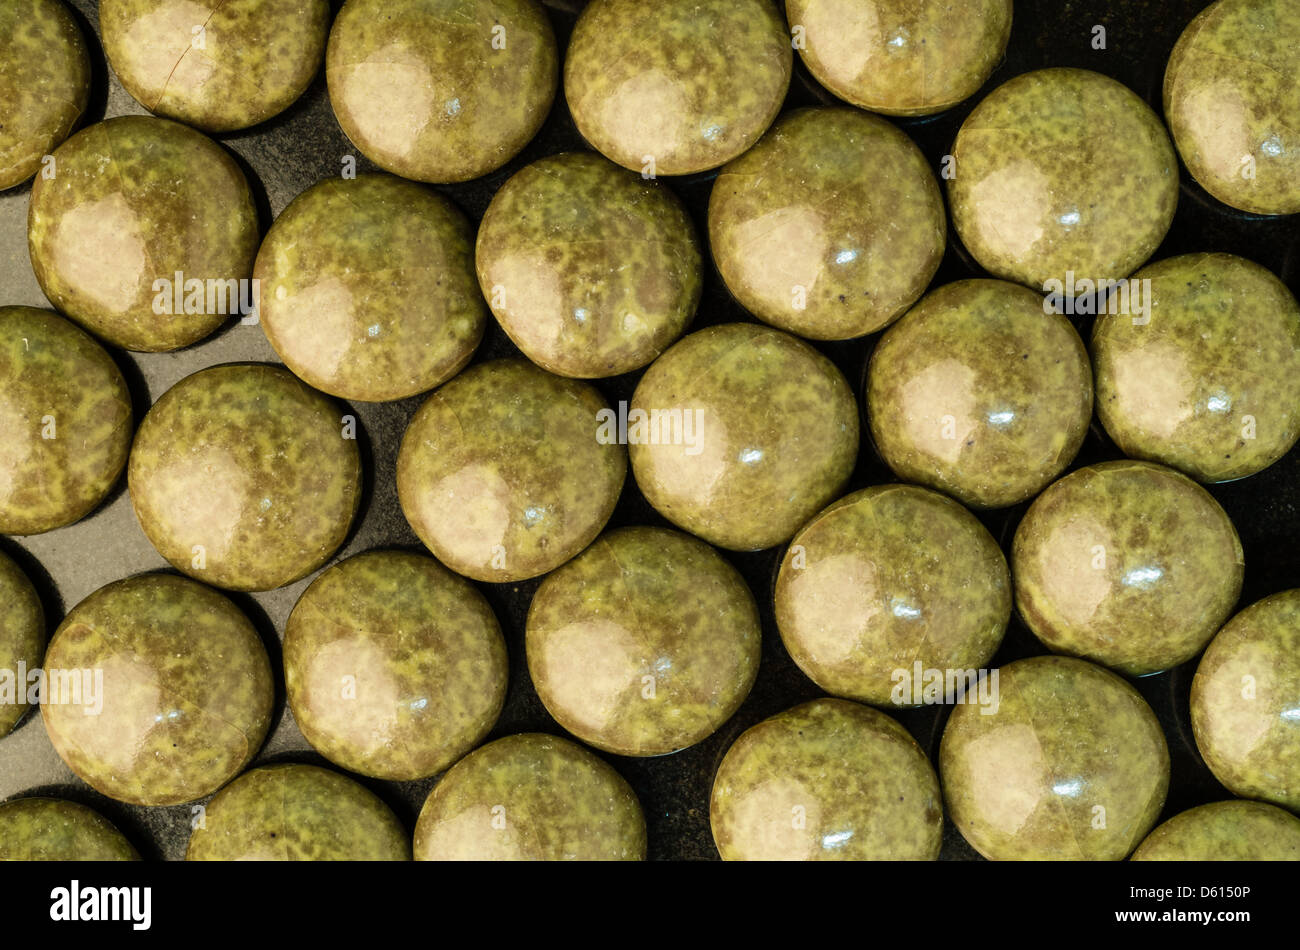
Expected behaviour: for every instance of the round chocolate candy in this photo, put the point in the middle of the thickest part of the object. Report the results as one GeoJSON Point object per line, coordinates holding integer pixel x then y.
{"type": "Point", "coordinates": [243, 477]}
{"type": "Point", "coordinates": [678, 86]}
{"type": "Point", "coordinates": [741, 433]}
{"type": "Point", "coordinates": [502, 472]}
{"type": "Point", "coordinates": [49, 829]}
{"type": "Point", "coordinates": [1126, 563]}
{"type": "Point", "coordinates": [591, 270]}
{"type": "Point", "coordinates": [979, 393]}
{"type": "Point", "coordinates": [1231, 96]}
{"type": "Point", "coordinates": [1069, 764]}
{"type": "Point", "coordinates": [66, 417]}
{"type": "Point", "coordinates": [395, 667]}
{"type": "Point", "coordinates": [827, 780]}
{"type": "Point", "coordinates": [218, 65]}
{"type": "Point", "coordinates": [1225, 831]}
{"type": "Point", "coordinates": [144, 233]}
{"type": "Point", "coordinates": [830, 227]}
{"type": "Point", "coordinates": [1246, 702]}
{"type": "Point", "coordinates": [886, 579]}
{"type": "Point", "coordinates": [293, 812]}
{"type": "Point", "coordinates": [531, 797]}
{"type": "Point", "coordinates": [368, 288]}
{"type": "Point", "coordinates": [22, 641]}
{"type": "Point", "coordinates": [1207, 377]}
{"type": "Point", "coordinates": [44, 84]}
{"type": "Point", "coordinates": [158, 690]}
{"type": "Point", "coordinates": [900, 57]}
{"type": "Point", "coordinates": [645, 643]}
{"type": "Point", "coordinates": [441, 92]}
{"type": "Point", "coordinates": [1060, 173]}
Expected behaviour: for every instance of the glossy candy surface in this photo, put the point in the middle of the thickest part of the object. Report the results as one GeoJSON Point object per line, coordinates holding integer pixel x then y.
{"type": "Point", "coordinates": [531, 797]}
{"type": "Point", "coordinates": [1225, 831]}
{"type": "Point", "coordinates": [827, 780]}
{"type": "Point", "coordinates": [830, 227]}
{"type": "Point", "coordinates": [368, 288]}
{"type": "Point", "coordinates": [184, 699]}
{"type": "Point", "coordinates": [66, 417]}
{"type": "Point", "coordinates": [645, 643]}
{"type": "Point", "coordinates": [395, 667]}
{"type": "Point", "coordinates": [742, 434]}
{"type": "Point", "coordinates": [48, 829]}
{"type": "Point", "coordinates": [1127, 563]}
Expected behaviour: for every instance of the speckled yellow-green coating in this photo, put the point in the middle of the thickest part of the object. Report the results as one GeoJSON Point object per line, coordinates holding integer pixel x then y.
{"type": "Point", "coordinates": [885, 578]}
{"type": "Point", "coordinates": [1059, 171]}
{"type": "Point", "coordinates": [135, 201]}
{"type": "Point", "coordinates": [218, 65]}
{"type": "Point", "coordinates": [531, 797]}
{"type": "Point", "coordinates": [590, 269]}
{"type": "Point", "coordinates": [901, 57]}
{"type": "Point", "coordinates": [830, 227]}
{"type": "Point", "coordinates": [1208, 380]}
{"type": "Point", "coordinates": [66, 417]}
{"type": "Point", "coordinates": [294, 812]}
{"type": "Point", "coordinates": [368, 288]}
{"type": "Point", "coordinates": [44, 84]}
{"type": "Point", "coordinates": [1244, 700]}
{"type": "Point", "coordinates": [742, 434]}
{"type": "Point", "coordinates": [186, 690]}
{"type": "Point", "coordinates": [1231, 96]}
{"type": "Point", "coordinates": [678, 86]}
{"type": "Point", "coordinates": [49, 829]}
{"type": "Point", "coordinates": [395, 667]}
{"type": "Point", "coordinates": [1072, 765]}
{"type": "Point", "coordinates": [979, 393]}
{"type": "Point", "coordinates": [243, 477]}
{"type": "Point", "coordinates": [828, 780]}
{"type": "Point", "coordinates": [441, 90]}
{"type": "Point", "coordinates": [1127, 563]}
{"type": "Point", "coordinates": [1225, 831]}
{"type": "Point", "coordinates": [22, 640]}
{"type": "Point", "coordinates": [645, 643]}
{"type": "Point", "coordinates": [501, 474]}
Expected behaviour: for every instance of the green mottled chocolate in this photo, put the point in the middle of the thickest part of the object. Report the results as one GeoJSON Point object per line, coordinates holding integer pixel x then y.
{"type": "Point", "coordinates": [531, 797]}
{"type": "Point", "coordinates": [245, 478]}
{"type": "Point", "coordinates": [1208, 379]}
{"type": "Point", "coordinates": [297, 813]}
{"type": "Point", "coordinates": [368, 288]}
{"type": "Point", "coordinates": [48, 829]}
{"type": "Point", "coordinates": [830, 227]}
{"type": "Point", "coordinates": [135, 201]}
{"type": "Point", "coordinates": [826, 781]}
{"type": "Point", "coordinates": [678, 86]}
{"type": "Point", "coordinates": [645, 643]}
{"type": "Point", "coordinates": [766, 436]}
{"type": "Point", "coordinates": [1245, 698]}
{"type": "Point", "coordinates": [186, 690]}
{"type": "Point", "coordinates": [44, 83]}
{"type": "Point", "coordinates": [1127, 563]}
{"type": "Point", "coordinates": [1060, 171]}
{"type": "Point", "coordinates": [979, 393]}
{"type": "Point", "coordinates": [66, 417]}
{"type": "Point", "coordinates": [22, 640]}
{"type": "Point", "coordinates": [501, 473]}
{"type": "Point", "coordinates": [1232, 93]}
{"type": "Point", "coordinates": [218, 65]}
{"type": "Point", "coordinates": [395, 667]}
{"type": "Point", "coordinates": [441, 90]}
{"type": "Point", "coordinates": [1072, 765]}
{"type": "Point", "coordinates": [901, 57]}
{"type": "Point", "coordinates": [1225, 831]}
{"type": "Point", "coordinates": [885, 578]}
{"type": "Point", "coordinates": [591, 270]}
